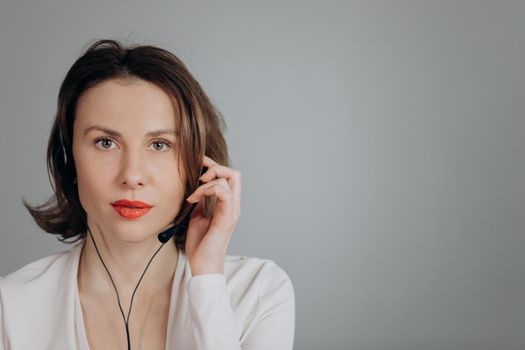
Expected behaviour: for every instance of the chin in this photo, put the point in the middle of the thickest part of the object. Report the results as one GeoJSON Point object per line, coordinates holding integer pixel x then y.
{"type": "Point", "coordinates": [133, 231]}
{"type": "Point", "coordinates": [135, 235]}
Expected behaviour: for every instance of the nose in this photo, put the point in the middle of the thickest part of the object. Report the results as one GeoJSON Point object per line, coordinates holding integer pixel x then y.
{"type": "Point", "coordinates": [133, 169]}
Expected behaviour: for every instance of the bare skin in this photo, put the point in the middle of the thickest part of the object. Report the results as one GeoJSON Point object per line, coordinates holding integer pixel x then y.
{"type": "Point", "coordinates": [104, 324]}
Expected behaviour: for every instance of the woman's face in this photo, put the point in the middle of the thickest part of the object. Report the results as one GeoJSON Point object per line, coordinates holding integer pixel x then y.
{"type": "Point", "coordinates": [119, 154]}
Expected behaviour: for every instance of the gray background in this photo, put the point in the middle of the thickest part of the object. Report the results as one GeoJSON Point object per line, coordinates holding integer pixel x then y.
{"type": "Point", "coordinates": [381, 143]}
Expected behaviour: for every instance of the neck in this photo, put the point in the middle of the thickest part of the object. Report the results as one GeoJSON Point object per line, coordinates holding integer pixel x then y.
{"type": "Point", "coordinates": [126, 263]}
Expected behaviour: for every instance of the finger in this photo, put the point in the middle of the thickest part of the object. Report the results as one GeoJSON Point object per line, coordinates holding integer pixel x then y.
{"type": "Point", "coordinates": [224, 215]}
{"type": "Point", "coordinates": [233, 176]}
{"type": "Point", "coordinates": [199, 210]}
{"type": "Point", "coordinates": [207, 161]}
{"type": "Point", "coordinates": [217, 170]}
{"type": "Point", "coordinates": [199, 192]}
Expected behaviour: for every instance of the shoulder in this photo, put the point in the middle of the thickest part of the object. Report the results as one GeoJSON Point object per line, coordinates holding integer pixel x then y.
{"type": "Point", "coordinates": [247, 269]}
{"type": "Point", "coordinates": [261, 292]}
{"type": "Point", "coordinates": [41, 272]}
{"type": "Point", "coordinates": [259, 279]}
{"type": "Point", "coordinates": [39, 296]}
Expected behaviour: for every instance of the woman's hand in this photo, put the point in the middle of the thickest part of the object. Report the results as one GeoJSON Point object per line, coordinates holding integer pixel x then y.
{"type": "Point", "coordinates": [207, 239]}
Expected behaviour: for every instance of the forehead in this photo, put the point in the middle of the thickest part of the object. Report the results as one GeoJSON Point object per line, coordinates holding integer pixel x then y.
{"type": "Point", "coordinates": [134, 104]}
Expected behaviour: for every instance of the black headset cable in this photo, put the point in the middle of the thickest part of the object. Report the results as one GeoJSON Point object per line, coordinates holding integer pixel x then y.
{"type": "Point", "coordinates": [163, 237]}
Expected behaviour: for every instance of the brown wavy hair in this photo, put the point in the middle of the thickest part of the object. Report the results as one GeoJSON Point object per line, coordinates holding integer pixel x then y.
{"type": "Point", "coordinates": [200, 127]}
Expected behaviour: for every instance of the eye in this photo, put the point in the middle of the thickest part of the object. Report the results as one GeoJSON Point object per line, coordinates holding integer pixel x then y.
{"type": "Point", "coordinates": [105, 141]}
{"type": "Point", "coordinates": [161, 143]}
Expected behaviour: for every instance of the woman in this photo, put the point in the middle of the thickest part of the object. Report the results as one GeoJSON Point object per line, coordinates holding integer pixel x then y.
{"type": "Point", "coordinates": [137, 157]}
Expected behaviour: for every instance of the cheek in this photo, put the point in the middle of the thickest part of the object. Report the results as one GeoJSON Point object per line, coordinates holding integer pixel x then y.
{"type": "Point", "coordinates": [92, 167]}
{"type": "Point", "coordinates": [94, 175]}
{"type": "Point", "coordinates": [169, 186]}
{"type": "Point", "coordinates": [92, 187]}
{"type": "Point", "coordinates": [93, 180]}
{"type": "Point", "coordinates": [166, 171]}
{"type": "Point", "coordinates": [173, 183]}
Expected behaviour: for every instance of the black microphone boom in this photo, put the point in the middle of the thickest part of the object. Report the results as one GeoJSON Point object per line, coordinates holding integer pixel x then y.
{"type": "Point", "coordinates": [165, 235]}
{"type": "Point", "coordinates": [177, 229]}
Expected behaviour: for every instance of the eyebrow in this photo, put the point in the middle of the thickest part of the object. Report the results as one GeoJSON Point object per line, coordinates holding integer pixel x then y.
{"type": "Point", "coordinates": [115, 133]}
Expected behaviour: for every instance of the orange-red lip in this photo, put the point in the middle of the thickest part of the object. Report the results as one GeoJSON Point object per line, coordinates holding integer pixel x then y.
{"type": "Point", "coordinates": [131, 204]}
{"type": "Point", "coordinates": [131, 213]}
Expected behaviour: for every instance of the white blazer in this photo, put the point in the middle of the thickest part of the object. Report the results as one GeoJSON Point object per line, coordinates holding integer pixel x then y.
{"type": "Point", "coordinates": [250, 307]}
